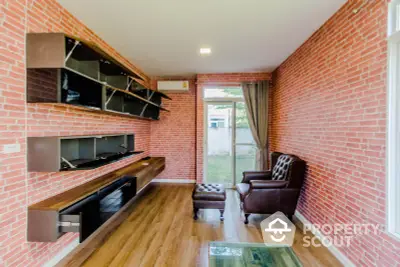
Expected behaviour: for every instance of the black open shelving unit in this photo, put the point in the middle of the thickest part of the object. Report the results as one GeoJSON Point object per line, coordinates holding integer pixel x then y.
{"type": "Point", "coordinates": [84, 75]}
{"type": "Point", "coordinates": [71, 153]}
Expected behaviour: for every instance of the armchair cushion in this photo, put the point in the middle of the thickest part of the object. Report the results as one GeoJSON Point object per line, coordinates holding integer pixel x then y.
{"type": "Point", "coordinates": [281, 169]}
{"type": "Point", "coordinates": [256, 175]}
{"type": "Point", "coordinates": [257, 184]}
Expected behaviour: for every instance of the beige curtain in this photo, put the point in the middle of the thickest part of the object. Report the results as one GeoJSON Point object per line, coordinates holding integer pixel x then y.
{"type": "Point", "coordinates": [256, 100]}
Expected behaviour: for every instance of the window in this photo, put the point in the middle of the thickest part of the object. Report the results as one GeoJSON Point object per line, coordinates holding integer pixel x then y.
{"type": "Point", "coordinates": [393, 140]}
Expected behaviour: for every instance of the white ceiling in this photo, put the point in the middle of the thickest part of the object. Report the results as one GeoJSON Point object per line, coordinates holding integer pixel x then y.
{"type": "Point", "coordinates": [163, 37]}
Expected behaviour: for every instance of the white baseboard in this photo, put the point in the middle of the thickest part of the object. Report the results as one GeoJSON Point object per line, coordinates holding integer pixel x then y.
{"type": "Point", "coordinates": [334, 250]}
{"type": "Point", "coordinates": [174, 181]}
{"type": "Point", "coordinates": [60, 255]}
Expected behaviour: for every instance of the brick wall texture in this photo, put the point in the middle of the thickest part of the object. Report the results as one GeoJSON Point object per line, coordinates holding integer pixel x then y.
{"type": "Point", "coordinates": [19, 120]}
{"type": "Point", "coordinates": [174, 135]}
{"type": "Point", "coordinates": [329, 108]}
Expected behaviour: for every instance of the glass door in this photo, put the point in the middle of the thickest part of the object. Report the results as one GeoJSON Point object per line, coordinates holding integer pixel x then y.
{"type": "Point", "coordinates": [229, 144]}
{"type": "Point", "coordinates": [244, 145]}
{"type": "Point", "coordinates": [218, 157]}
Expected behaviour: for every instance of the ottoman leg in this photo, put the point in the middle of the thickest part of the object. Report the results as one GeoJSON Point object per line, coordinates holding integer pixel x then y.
{"type": "Point", "coordinates": [246, 218]}
{"type": "Point", "coordinates": [221, 217]}
{"type": "Point", "coordinates": [195, 210]}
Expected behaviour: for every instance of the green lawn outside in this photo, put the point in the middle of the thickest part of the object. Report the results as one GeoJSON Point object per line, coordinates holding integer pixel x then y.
{"type": "Point", "coordinates": [219, 168]}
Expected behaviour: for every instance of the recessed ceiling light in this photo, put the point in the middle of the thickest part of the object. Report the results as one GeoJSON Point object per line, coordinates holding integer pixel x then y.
{"type": "Point", "coordinates": [205, 50]}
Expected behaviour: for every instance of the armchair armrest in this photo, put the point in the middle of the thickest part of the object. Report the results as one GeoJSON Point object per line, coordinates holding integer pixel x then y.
{"type": "Point", "coordinates": [259, 175]}
{"type": "Point", "coordinates": [262, 184]}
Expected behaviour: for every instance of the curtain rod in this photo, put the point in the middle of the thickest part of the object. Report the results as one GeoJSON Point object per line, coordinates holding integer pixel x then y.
{"type": "Point", "coordinates": [221, 83]}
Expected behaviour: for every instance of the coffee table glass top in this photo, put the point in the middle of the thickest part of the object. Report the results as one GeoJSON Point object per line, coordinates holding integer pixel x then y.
{"type": "Point", "coordinates": [224, 254]}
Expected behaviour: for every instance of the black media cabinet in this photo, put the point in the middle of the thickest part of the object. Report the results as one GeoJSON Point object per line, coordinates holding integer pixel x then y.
{"type": "Point", "coordinates": [90, 213]}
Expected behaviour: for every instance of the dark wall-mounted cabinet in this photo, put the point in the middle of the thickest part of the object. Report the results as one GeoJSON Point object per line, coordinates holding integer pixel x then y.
{"type": "Point", "coordinates": [86, 207]}
{"type": "Point", "coordinates": [52, 154]}
{"type": "Point", "coordinates": [81, 74]}
{"type": "Point", "coordinates": [94, 210]}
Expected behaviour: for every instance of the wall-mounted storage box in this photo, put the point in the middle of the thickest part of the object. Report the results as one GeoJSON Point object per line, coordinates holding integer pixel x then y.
{"type": "Point", "coordinates": [80, 73]}
{"type": "Point", "coordinates": [52, 154]}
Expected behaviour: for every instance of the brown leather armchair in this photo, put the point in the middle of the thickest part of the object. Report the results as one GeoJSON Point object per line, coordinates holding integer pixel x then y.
{"type": "Point", "coordinates": [266, 192]}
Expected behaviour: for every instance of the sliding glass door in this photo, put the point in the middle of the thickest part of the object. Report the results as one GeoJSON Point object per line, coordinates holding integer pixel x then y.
{"type": "Point", "coordinates": [229, 145]}
{"type": "Point", "coordinates": [219, 150]}
{"type": "Point", "coordinates": [244, 146]}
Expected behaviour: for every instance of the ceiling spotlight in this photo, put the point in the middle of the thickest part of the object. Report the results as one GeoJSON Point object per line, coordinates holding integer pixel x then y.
{"type": "Point", "coordinates": [205, 51]}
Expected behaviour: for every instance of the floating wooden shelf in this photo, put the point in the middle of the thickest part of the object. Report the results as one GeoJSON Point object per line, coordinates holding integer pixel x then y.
{"type": "Point", "coordinates": [96, 110]}
{"type": "Point", "coordinates": [77, 210]}
{"type": "Point", "coordinates": [87, 76]}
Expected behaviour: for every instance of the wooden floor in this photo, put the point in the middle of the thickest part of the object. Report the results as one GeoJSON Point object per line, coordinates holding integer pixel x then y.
{"type": "Point", "coordinates": [158, 230]}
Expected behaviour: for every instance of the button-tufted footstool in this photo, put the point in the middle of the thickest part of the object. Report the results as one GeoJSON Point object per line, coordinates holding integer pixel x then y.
{"type": "Point", "coordinates": [209, 196]}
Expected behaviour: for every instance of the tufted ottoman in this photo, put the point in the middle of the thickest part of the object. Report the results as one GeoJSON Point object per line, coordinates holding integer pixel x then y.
{"type": "Point", "coordinates": [209, 196]}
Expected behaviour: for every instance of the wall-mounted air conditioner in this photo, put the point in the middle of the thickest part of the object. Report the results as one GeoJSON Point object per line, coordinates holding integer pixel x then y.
{"type": "Point", "coordinates": [173, 86]}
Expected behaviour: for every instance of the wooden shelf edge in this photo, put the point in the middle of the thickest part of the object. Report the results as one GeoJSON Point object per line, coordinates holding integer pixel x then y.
{"type": "Point", "coordinates": [64, 199]}
{"type": "Point", "coordinates": [95, 110]}
{"type": "Point", "coordinates": [102, 165]}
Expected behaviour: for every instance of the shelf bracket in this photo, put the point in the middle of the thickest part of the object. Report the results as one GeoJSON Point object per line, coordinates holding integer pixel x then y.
{"type": "Point", "coordinates": [151, 95]}
{"type": "Point", "coordinates": [68, 163]}
{"type": "Point", "coordinates": [72, 50]}
{"type": "Point", "coordinates": [113, 92]}
{"type": "Point", "coordinates": [109, 99]}
{"type": "Point", "coordinates": [145, 106]}
{"type": "Point", "coordinates": [129, 85]}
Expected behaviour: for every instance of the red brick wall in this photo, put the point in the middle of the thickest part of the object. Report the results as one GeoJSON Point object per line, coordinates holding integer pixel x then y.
{"type": "Point", "coordinates": [204, 80]}
{"type": "Point", "coordinates": [174, 135]}
{"type": "Point", "coordinates": [18, 120]}
{"type": "Point", "coordinates": [329, 108]}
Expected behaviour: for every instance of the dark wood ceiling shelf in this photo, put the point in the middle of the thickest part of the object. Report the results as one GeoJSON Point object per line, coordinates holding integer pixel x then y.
{"type": "Point", "coordinates": [84, 75]}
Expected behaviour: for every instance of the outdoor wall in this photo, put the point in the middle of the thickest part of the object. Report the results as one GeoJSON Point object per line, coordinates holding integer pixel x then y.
{"type": "Point", "coordinates": [19, 120]}
{"type": "Point", "coordinates": [219, 140]}
{"type": "Point", "coordinates": [204, 80]}
{"type": "Point", "coordinates": [329, 108]}
{"type": "Point", "coordinates": [174, 135]}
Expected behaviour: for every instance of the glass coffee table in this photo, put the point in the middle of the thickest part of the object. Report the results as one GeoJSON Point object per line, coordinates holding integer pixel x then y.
{"type": "Point", "coordinates": [225, 254]}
